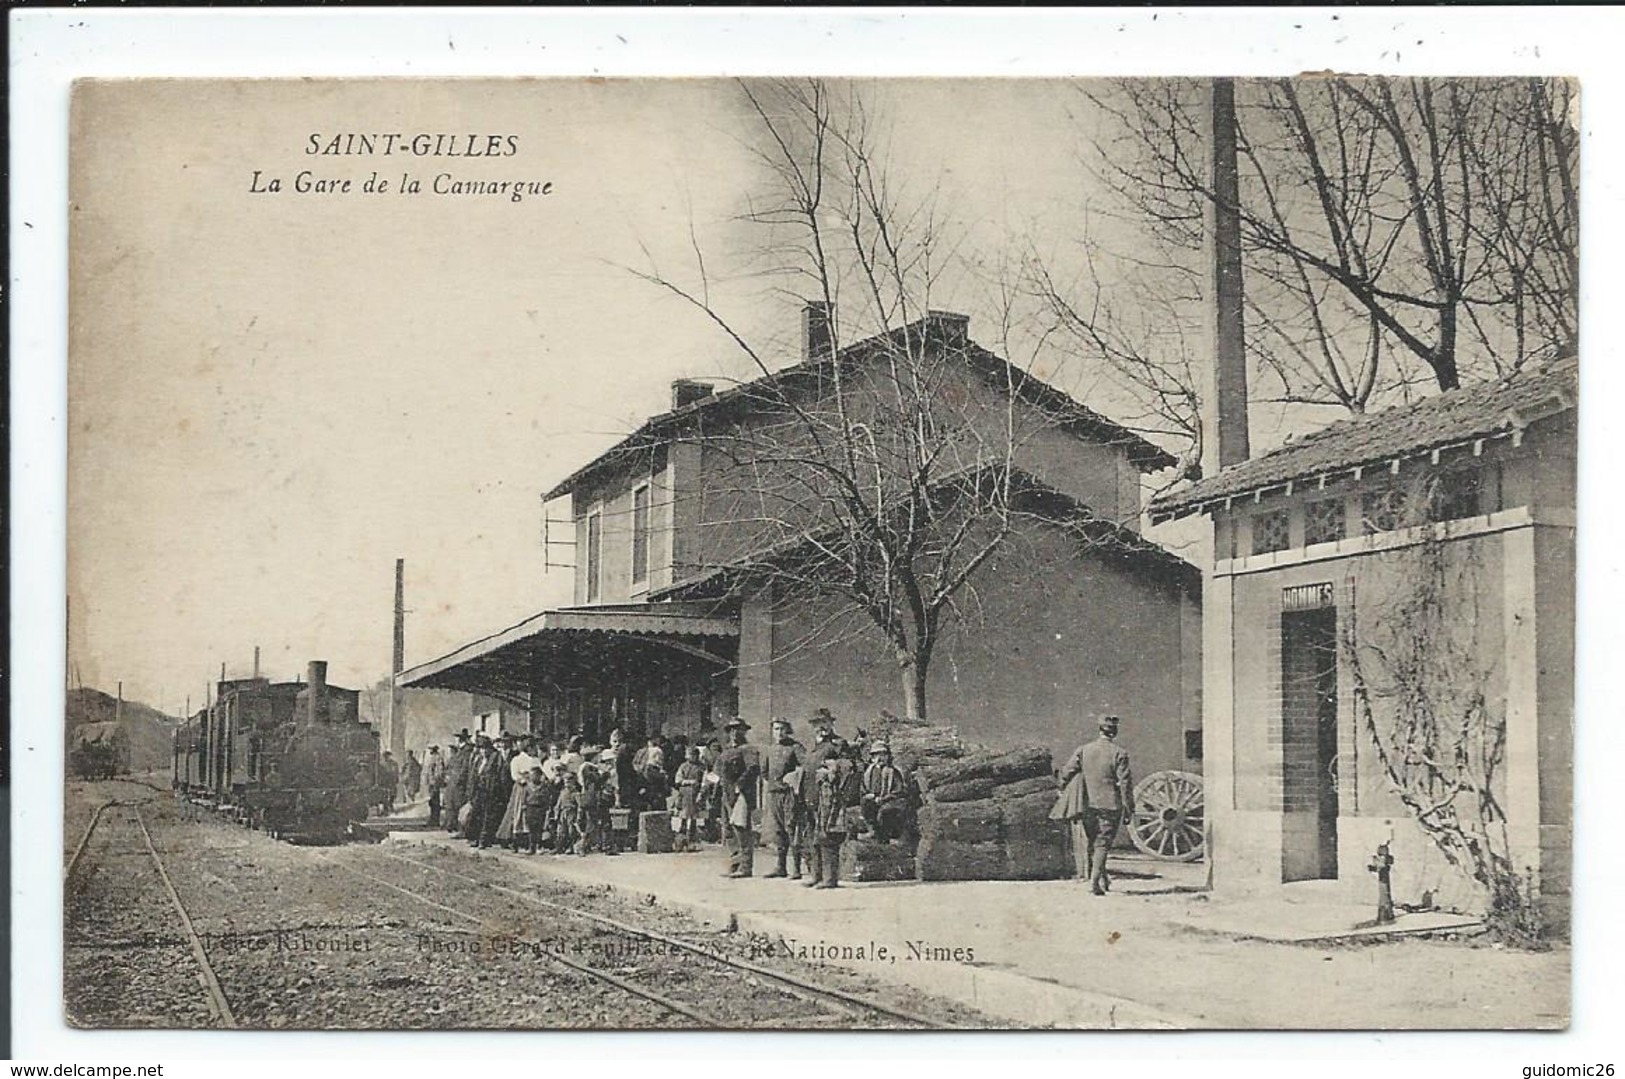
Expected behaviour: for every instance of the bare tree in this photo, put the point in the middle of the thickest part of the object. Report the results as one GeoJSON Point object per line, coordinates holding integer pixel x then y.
{"type": "Point", "coordinates": [880, 476]}
{"type": "Point", "coordinates": [1395, 231]}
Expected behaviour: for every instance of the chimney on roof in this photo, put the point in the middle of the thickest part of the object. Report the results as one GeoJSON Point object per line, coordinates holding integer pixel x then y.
{"type": "Point", "coordinates": [951, 325]}
{"type": "Point", "coordinates": [817, 330]}
{"type": "Point", "coordinates": [1224, 441]}
{"type": "Point", "coordinates": [685, 391]}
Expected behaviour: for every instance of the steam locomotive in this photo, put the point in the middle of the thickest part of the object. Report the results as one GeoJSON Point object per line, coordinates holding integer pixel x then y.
{"type": "Point", "coordinates": [290, 758]}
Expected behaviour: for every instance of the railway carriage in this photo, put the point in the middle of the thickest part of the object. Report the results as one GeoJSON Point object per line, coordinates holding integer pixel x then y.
{"type": "Point", "coordinates": [292, 758]}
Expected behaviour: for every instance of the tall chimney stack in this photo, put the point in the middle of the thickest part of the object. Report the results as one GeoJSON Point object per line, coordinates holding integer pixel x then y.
{"type": "Point", "coordinates": [256, 661]}
{"type": "Point", "coordinates": [1225, 441]}
{"type": "Point", "coordinates": [118, 708]}
{"type": "Point", "coordinates": [397, 722]}
{"type": "Point", "coordinates": [316, 691]}
{"type": "Point", "coordinates": [817, 330]}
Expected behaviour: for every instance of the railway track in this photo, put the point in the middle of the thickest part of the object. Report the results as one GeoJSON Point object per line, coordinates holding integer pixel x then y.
{"type": "Point", "coordinates": [80, 932]}
{"type": "Point", "coordinates": [238, 940]}
{"type": "Point", "coordinates": [722, 973]}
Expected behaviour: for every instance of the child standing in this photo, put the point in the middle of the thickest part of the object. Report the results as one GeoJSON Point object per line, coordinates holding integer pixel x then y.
{"type": "Point", "coordinates": [690, 807]}
{"type": "Point", "coordinates": [567, 814]}
{"type": "Point", "coordinates": [594, 814]}
{"type": "Point", "coordinates": [534, 809]}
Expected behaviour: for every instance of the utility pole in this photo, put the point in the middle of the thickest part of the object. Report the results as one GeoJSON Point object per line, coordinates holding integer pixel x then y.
{"type": "Point", "coordinates": [397, 722]}
{"type": "Point", "coordinates": [1225, 442]}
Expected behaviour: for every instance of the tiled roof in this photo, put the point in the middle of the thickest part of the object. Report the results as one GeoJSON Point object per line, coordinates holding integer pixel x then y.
{"type": "Point", "coordinates": [1478, 411]}
{"type": "Point", "coordinates": [1104, 538]}
{"type": "Point", "coordinates": [995, 370]}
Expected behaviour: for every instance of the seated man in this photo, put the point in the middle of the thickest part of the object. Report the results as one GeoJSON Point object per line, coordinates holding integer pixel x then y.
{"type": "Point", "coordinates": [888, 796]}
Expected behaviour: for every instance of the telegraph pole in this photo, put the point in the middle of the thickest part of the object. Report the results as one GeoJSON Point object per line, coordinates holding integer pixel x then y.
{"type": "Point", "coordinates": [397, 722]}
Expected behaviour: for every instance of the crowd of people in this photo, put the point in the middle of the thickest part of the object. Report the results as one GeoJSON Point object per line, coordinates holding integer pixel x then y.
{"type": "Point", "coordinates": [799, 803]}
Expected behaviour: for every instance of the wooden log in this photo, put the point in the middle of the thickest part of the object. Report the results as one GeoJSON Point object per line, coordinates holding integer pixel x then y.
{"type": "Point", "coordinates": [942, 859]}
{"type": "Point", "coordinates": [970, 790]}
{"type": "Point", "coordinates": [1033, 810]}
{"type": "Point", "coordinates": [1021, 788]}
{"type": "Point", "coordinates": [1042, 859]}
{"type": "Point", "coordinates": [865, 859]}
{"type": "Point", "coordinates": [961, 822]}
{"type": "Point", "coordinates": [1007, 767]}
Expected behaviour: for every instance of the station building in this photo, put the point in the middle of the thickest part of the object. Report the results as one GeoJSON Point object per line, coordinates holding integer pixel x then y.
{"type": "Point", "coordinates": [1074, 615]}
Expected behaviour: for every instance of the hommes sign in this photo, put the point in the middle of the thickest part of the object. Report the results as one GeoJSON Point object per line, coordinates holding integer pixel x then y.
{"type": "Point", "coordinates": [1308, 597]}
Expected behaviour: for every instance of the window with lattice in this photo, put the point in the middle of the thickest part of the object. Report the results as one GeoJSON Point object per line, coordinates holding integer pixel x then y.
{"type": "Point", "coordinates": [1382, 510]}
{"type": "Point", "coordinates": [1455, 493]}
{"type": "Point", "coordinates": [1323, 521]}
{"type": "Point", "coordinates": [1271, 532]}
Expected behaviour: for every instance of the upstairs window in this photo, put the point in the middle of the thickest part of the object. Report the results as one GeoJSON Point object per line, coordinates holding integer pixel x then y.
{"type": "Point", "coordinates": [1270, 532]}
{"type": "Point", "coordinates": [1382, 510]}
{"type": "Point", "coordinates": [1323, 521]}
{"type": "Point", "coordinates": [640, 534]}
{"type": "Point", "coordinates": [595, 542]}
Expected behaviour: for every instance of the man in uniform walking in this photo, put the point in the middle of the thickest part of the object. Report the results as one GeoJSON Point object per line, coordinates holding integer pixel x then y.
{"type": "Point", "coordinates": [740, 768]}
{"type": "Point", "coordinates": [1108, 784]}
{"type": "Point", "coordinates": [780, 768]}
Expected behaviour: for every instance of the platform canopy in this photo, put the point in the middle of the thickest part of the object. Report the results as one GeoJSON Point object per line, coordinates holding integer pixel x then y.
{"type": "Point", "coordinates": [576, 644]}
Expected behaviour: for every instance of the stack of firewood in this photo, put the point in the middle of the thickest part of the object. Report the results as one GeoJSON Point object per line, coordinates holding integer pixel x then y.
{"type": "Point", "coordinates": [986, 817]}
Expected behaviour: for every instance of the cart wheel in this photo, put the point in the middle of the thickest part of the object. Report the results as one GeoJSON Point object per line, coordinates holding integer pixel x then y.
{"type": "Point", "coordinates": [1168, 816]}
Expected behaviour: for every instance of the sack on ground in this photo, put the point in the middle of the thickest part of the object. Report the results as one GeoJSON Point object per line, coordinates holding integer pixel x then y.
{"type": "Point", "coordinates": [654, 832]}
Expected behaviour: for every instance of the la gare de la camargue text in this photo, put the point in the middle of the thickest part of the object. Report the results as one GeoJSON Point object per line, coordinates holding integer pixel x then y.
{"type": "Point", "coordinates": [424, 146]}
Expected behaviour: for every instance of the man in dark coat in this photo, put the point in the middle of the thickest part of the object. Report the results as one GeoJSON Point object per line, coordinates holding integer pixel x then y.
{"type": "Point", "coordinates": [740, 768]}
{"type": "Point", "coordinates": [434, 779]}
{"type": "Point", "coordinates": [486, 795]}
{"type": "Point", "coordinates": [389, 778]}
{"type": "Point", "coordinates": [457, 776]}
{"type": "Point", "coordinates": [781, 764]}
{"type": "Point", "coordinates": [1108, 786]}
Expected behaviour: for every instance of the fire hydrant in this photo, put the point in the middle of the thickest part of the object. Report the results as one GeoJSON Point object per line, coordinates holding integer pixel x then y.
{"type": "Point", "coordinates": [1382, 864]}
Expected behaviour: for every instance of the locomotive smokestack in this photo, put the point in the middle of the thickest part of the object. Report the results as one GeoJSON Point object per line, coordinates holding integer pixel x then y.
{"type": "Point", "coordinates": [315, 694]}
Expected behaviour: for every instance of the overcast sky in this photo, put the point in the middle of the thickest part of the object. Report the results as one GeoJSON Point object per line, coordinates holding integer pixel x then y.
{"type": "Point", "coordinates": [273, 396]}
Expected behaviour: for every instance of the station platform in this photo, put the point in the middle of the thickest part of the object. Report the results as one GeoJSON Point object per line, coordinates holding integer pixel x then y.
{"type": "Point", "coordinates": [1159, 952]}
